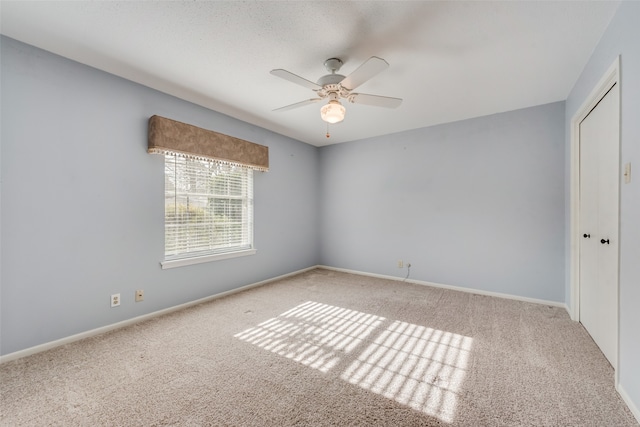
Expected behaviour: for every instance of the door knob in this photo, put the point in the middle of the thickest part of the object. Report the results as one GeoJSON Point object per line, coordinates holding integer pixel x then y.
{"type": "Point", "coordinates": [604, 241]}
{"type": "Point", "coordinates": [587, 236]}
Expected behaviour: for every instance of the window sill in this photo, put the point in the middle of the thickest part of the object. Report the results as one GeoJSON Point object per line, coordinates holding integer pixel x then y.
{"type": "Point", "coordinates": [208, 258]}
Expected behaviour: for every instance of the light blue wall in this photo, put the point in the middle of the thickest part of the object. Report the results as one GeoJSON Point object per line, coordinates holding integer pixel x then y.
{"type": "Point", "coordinates": [477, 203]}
{"type": "Point", "coordinates": [622, 38]}
{"type": "Point", "coordinates": [82, 201]}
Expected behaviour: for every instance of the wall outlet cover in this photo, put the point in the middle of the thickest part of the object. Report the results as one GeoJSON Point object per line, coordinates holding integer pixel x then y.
{"type": "Point", "coordinates": [115, 300]}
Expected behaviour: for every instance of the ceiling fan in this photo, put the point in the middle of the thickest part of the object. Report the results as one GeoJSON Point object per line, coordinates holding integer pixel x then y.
{"type": "Point", "coordinates": [335, 86]}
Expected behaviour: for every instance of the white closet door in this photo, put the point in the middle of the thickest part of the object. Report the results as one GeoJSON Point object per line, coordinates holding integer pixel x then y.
{"type": "Point", "coordinates": [589, 268]}
{"type": "Point", "coordinates": [599, 210]}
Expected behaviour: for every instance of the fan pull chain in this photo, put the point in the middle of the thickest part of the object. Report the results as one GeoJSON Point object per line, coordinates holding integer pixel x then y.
{"type": "Point", "coordinates": [328, 134]}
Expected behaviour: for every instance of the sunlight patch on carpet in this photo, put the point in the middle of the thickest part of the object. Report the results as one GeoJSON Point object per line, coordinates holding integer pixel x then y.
{"type": "Point", "coordinates": [416, 366]}
{"type": "Point", "coordinates": [313, 334]}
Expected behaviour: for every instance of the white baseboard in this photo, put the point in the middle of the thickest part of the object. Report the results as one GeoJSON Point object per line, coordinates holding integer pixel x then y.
{"type": "Point", "coordinates": [453, 288]}
{"type": "Point", "coordinates": [47, 346]}
{"type": "Point", "coordinates": [52, 344]}
{"type": "Point", "coordinates": [632, 407]}
{"type": "Point", "coordinates": [107, 328]}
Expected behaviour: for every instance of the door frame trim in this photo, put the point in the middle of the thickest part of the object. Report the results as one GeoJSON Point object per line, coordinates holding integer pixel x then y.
{"type": "Point", "coordinates": [608, 80]}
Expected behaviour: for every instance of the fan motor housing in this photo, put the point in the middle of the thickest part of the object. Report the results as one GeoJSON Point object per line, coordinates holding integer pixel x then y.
{"type": "Point", "coordinates": [332, 65]}
{"type": "Point", "coordinates": [330, 79]}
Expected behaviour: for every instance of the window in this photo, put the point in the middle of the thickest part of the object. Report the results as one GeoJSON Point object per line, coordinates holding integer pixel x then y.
{"type": "Point", "coordinates": [208, 210]}
{"type": "Point", "coordinates": [208, 191]}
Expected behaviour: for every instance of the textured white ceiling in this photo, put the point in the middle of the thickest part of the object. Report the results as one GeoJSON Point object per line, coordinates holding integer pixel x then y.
{"type": "Point", "coordinates": [448, 60]}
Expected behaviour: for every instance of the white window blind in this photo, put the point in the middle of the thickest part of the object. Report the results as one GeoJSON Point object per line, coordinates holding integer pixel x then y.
{"type": "Point", "coordinates": [208, 208]}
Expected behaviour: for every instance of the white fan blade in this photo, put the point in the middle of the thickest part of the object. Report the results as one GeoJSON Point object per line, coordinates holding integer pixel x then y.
{"type": "Point", "coordinates": [298, 104]}
{"type": "Point", "coordinates": [375, 100]}
{"type": "Point", "coordinates": [293, 78]}
{"type": "Point", "coordinates": [367, 70]}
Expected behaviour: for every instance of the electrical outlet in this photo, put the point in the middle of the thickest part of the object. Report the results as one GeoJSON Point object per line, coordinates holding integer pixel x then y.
{"type": "Point", "coordinates": [400, 264]}
{"type": "Point", "coordinates": [115, 300]}
{"type": "Point", "coordinates": [139, 295]}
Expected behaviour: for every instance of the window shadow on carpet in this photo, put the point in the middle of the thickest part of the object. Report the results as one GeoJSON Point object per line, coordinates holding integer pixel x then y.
{"type": "Point", "coordinates": [414, 365]}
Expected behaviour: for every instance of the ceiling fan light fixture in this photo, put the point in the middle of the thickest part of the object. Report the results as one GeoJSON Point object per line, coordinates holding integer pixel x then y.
{"type": "Point", "coordinates": [332, 112]}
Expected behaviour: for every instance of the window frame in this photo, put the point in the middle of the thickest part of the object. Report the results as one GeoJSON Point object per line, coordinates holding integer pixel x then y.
{"type": "Point", "coordinates": [201, 256]}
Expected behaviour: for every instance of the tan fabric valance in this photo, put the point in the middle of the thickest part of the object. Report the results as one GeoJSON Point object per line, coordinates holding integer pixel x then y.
{"type": "Point", "coordinates": [168, 136]}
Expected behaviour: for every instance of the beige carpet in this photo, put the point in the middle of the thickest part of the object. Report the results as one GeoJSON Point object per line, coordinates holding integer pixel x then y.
{"type": "Point", "coordinates": [326, 349]}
